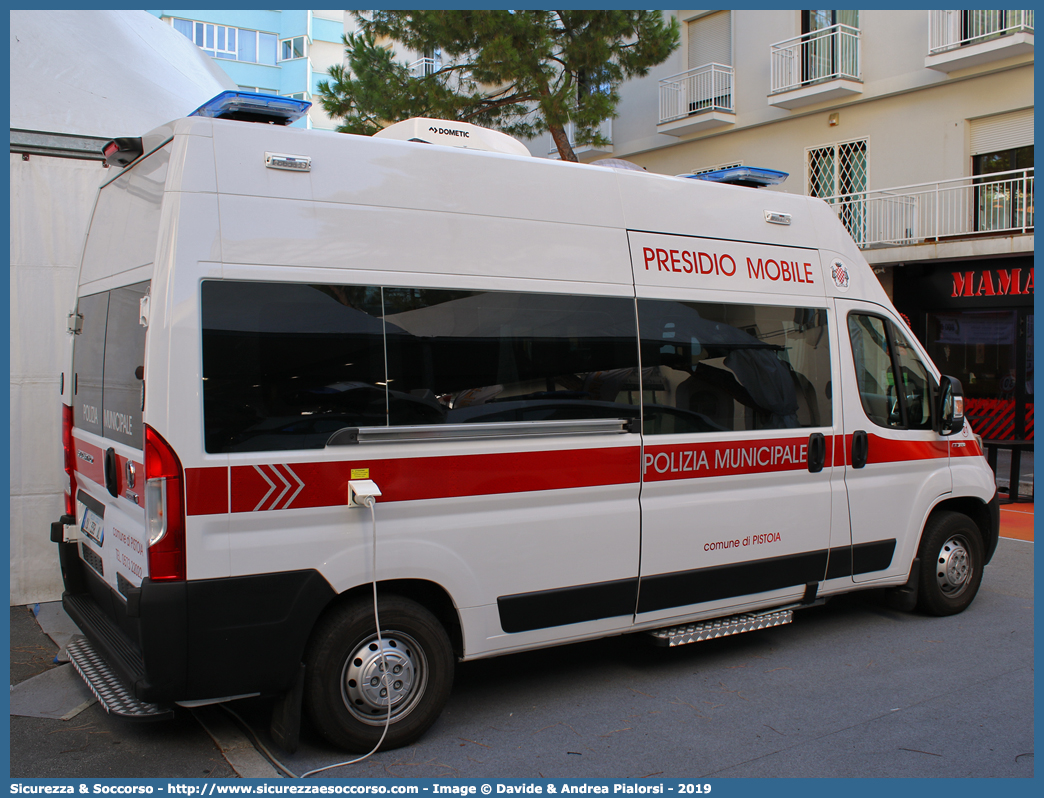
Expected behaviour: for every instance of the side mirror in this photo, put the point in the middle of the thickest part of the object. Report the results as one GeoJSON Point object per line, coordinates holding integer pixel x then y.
{"type": "Point", "coordinates": [951, 406]}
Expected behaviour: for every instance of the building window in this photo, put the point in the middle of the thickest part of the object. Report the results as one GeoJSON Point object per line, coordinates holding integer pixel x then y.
{"type": "Point", "coordinates": [704, 170]}
{"type": "Point", "coordinates": [837, 173]}
{"type": "Point", "coordinates": [710, 40]}
{"type": "Point", "coordinates": [259, 90]}
{"type": "Point", "coordinates": [827, 48]}
{"type": "Point", "coordinates": [429, 63]}
{"type": "Point", "coordinates": [231, 44]}
{"type": "Point", "coordinates": [1003, 189]}
{"type": "Point", "coordinates": [290, 49]}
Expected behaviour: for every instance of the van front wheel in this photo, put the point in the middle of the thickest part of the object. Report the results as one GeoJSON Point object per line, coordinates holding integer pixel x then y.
{"type": "Point", "coordinates": [346, 693]}
{"type": "Point", "coordinates": [951, 564]}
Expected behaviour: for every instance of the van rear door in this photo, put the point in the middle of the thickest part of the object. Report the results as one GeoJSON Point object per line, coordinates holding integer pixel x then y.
{"type": "Point", "coordinates": [107, 395]}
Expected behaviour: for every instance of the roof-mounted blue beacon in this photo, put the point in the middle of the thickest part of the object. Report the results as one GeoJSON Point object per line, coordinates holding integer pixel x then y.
{"type": "Point", "coordinates": [246, 106]}
{"type": "Point", "coordinates": [751, 176]}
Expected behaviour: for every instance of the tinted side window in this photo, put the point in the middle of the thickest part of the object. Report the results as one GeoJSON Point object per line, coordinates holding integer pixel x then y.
{"type": "Point", "coordinates": [89, 362]}
{"type": "Point", "coordinates": [124, 362]}
{"type": "Point", "coordinates": [286, 365]}
{"type": "Point", "coordinates": [873, 365]}
{"type": "Point", "coordinates": [880, 351]}
{"type": "Point", "coordinates": [918, 385]}
{"type": "Point", "coordinates": [460, 357]}
{"type": "Point", "coordinates": [714, 367]}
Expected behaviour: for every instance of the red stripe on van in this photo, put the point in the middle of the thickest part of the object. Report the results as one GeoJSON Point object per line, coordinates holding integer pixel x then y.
{"type": "Point", "coordinates": [89, 461]}
{"type": "Point", "coordinates": [281, 486]}
{"type": "Point", "coordinates": [727, 458]}
{"type": "Point", "coordinates": [206, 490]}
{"type": "Point", "coordinates": [889, 450]}
{"type": "Point", "coordinates": [301, 485]}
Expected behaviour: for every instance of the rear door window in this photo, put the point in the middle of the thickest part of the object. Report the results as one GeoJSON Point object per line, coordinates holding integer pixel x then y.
{"type": "Point", "coordinates": [108, 365]}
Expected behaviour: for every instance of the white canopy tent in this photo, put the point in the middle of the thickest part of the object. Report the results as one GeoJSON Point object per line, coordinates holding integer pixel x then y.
{"type": "Point", "coordinates": [78, 79]}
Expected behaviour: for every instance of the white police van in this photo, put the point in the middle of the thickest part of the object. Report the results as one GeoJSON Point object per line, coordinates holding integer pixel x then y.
{"type": "Point", "coordinates": [588, 401]}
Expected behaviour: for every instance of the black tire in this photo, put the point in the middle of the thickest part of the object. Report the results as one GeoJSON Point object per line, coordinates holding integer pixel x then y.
{"type": "Point", "coordinates": [951, 564]}
{"type": "Point", "coordinates": [342, 679]}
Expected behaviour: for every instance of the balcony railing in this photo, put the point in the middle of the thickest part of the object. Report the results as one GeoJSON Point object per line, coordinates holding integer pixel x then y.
{"type": "Point", "coordinates": [948, 30]}
{"type": "Point", "coordinates": [425, 66]}
{"type": "Point", "coordinates": [828, 54]}
{"type": "Point", "coordinates": [706, 88]}
{"type": "Point", "coordinates": [994, 204]}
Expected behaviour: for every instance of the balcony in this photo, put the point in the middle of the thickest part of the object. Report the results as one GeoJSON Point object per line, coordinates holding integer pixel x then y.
{"type": "Point", "coordinates": [985, 206]}
{"type": "Point", "coordinates": [962, 39]}
{"type": "Point", "coordinates": [606, 129]}
{"type": "Point", "coordinates": [816, 67]}
{"type": "Point", "coordinates": [423, 67]}
{"type": "Point", "coordinates": [700, 99]}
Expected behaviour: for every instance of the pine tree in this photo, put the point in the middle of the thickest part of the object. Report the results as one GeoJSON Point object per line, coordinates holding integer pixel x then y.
{"type": "Point", "coordinates": [522, 72]}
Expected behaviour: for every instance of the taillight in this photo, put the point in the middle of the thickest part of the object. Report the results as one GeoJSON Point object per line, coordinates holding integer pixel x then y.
{"type": "Point", "coordinates": [70, 460]}
{"type": "Point", "coordinates": [164, 509]}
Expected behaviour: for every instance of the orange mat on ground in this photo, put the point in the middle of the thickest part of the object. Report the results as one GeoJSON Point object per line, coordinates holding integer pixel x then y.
{"type": "Point", "coordinates": [1016, 521]}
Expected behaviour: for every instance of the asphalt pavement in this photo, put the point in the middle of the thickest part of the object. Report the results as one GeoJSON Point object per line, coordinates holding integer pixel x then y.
{"type": "Point", "coordinates": [849, 689]}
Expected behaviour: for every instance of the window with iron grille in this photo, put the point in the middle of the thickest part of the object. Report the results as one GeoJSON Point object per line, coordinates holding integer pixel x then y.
{"type": "Point", "coordinates": [706, 169]}
{"type": "Point", "coordinates": [838, 174]}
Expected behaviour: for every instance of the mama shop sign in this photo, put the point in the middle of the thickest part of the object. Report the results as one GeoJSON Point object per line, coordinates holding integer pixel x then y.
{"type": "Point", "coordinates": [992, 282]}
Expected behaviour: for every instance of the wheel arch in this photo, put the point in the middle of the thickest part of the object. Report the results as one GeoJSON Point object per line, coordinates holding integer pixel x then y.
{"type": "Point", "coordinates": [986, 516]}
{"type": "Point", "coordinates": [428, 594]}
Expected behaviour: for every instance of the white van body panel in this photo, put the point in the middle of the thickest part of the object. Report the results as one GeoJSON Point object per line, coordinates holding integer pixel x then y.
{"type": "Point", "coordinates": [520, 541]}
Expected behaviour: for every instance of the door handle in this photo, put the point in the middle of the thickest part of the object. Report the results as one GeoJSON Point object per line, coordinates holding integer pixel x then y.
{"type": "Point", "coordinates": [111, 476]}
{"type": "Point", "coordinates": [816, 452]}
{"type": "Point", "coordinates": [860, 448]}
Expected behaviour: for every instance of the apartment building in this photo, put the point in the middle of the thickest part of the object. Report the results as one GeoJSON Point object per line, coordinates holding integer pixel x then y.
{"type": "Point", "coordinates": [272, 52]}
{"type": "Point", "coordinates": [916, 126]}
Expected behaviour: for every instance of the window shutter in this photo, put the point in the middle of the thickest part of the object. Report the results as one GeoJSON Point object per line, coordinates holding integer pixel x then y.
{"type": "Point", "coordinates": [710, 40]}
{"type": "Point", "coordinates": [1001, 132]}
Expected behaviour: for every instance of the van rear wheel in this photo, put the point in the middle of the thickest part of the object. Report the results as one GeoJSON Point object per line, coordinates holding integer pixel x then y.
{"type": "Point", "coordinates": [346, 693]}
{"type": "Point", "coordinates": [951, 564]}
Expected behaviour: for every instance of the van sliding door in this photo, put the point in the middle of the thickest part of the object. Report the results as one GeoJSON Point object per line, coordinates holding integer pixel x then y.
{"type": "Point", "coordinates": [738, 422]}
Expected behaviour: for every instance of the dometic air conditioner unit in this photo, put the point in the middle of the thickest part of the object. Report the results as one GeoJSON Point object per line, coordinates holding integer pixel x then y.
{"type": "Point", "coordinates": [453, 134]}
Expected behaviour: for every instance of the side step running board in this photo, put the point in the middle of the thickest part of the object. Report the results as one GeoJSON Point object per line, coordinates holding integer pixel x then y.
{"type": "Point", "coordinates": [108, 688]}
{"type": "Point", "coordinates": [721, 627]}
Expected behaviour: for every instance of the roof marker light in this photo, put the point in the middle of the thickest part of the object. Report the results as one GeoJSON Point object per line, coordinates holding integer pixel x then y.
{"type": "Point", "coordinates": [247, 106]}
{"type": "Point", "coordinates": [752, 176]}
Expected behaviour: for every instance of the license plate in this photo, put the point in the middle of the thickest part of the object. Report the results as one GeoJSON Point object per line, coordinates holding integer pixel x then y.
{"type": "Point", "coordinates": [92, 527]}
{"type": "Point", "coordinates": [91, 523]}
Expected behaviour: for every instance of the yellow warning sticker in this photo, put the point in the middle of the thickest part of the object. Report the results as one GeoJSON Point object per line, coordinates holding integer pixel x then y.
{"type": "Point", "coordinates": [360, 473]}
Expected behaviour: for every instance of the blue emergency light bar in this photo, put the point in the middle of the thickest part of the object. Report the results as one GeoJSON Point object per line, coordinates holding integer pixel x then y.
{"type": "Point", "coordinates": [248, 106]}
{"type": "Point", "coordinates": [754, 176]}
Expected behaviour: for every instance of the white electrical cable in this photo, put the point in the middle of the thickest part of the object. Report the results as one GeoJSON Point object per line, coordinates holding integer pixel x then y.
{"type": "Point", "coordinates": [369, 502]}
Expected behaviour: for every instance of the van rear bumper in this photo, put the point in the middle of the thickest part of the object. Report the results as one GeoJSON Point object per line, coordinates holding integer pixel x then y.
{"type": "Point", "coordinates": [202, 639]}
